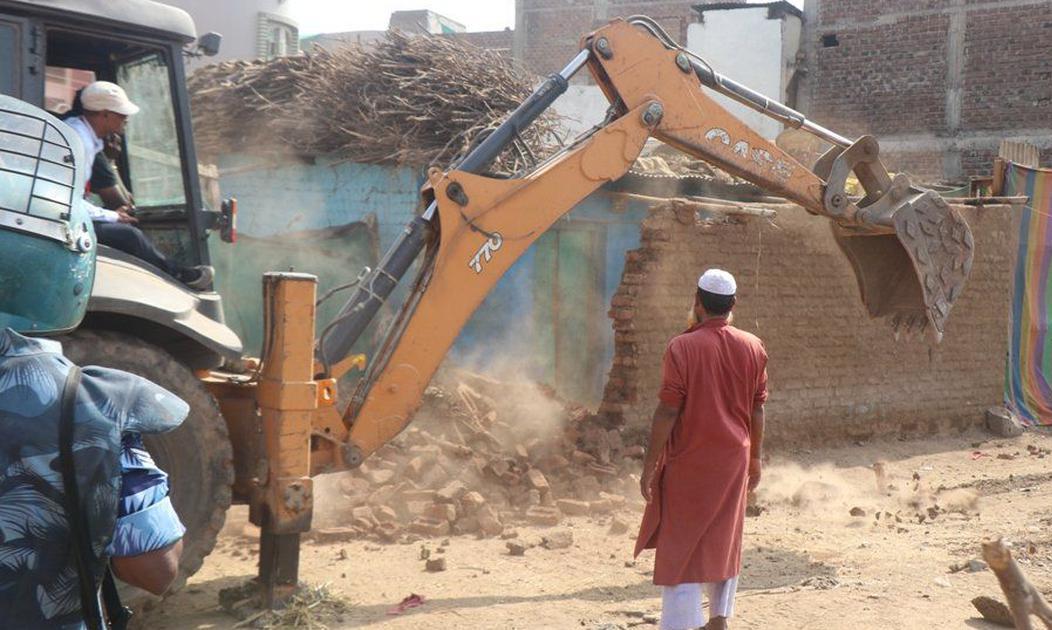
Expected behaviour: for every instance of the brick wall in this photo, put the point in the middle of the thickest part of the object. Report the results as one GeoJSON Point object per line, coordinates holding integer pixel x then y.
{"type": "Point", "coordinates": [862, 88]}
{"type": "Point", "coordinates": [834, 372]}
{"type": "Point", "coordinates": [548, 32]}
{"type": "Point", "coordinates": [932, 75]}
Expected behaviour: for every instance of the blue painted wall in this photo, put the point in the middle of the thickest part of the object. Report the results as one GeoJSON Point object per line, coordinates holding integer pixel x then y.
{"type": "Point", "coordinates": [279, 198]}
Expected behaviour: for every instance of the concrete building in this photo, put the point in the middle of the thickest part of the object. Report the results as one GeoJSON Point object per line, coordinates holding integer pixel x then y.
{"type": "Point", "coordinates": [755, 44]}
{"type": "Point", "coordinates": [424, 21]}
{"type": "Point", "coordinates": [251, 29]}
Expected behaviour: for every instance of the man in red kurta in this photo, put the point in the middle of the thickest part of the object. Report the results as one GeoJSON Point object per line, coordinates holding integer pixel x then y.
{"type": "Point", "coordinates": [704, 456]}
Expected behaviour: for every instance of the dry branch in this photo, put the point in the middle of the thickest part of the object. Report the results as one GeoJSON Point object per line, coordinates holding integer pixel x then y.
{"type": "Point", "coordinates": [1023, 599]}
{"type": "Point", "coordinates": [415, 100]}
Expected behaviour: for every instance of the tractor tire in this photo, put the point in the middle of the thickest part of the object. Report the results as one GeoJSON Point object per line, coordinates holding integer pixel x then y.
{"type": "Point", "coordinates": [197, 456]}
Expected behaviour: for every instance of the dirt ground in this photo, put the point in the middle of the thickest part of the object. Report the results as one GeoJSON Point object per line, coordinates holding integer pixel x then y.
{"type": "Point", "coordinates": [808, 562]}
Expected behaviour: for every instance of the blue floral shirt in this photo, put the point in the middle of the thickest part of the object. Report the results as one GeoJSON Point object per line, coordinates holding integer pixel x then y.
{"type": "Point", "coordinates": [146, 520]}
{"type": "Point", "coordinates": [123, 493]}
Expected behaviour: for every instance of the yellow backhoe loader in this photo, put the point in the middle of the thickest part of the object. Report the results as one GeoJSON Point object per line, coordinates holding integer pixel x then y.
{"type": "Point", "coordinates": [282, 425]}
{"type": "Point", "coordinates": [910, 251]}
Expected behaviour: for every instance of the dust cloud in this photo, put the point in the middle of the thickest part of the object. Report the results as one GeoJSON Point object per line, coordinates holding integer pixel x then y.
{"type": "Point", "coordinates": [844, 494]}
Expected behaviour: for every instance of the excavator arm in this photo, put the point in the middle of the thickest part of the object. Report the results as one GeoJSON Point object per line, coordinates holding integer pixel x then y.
{"type": "Point", "coordinates": [910, 251]}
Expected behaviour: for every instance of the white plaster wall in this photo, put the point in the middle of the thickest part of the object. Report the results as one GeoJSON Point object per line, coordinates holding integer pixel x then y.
{"type": "Point", "coordinates": [582, 106]}
{"type": "Point", "coordinates": [742, 44]}
{"type": "Point", "coordinates": [235, 20]}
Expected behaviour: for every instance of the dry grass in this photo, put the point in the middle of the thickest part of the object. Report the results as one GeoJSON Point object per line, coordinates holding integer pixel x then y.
{"type": "Point", "coordinates": [415, 100]}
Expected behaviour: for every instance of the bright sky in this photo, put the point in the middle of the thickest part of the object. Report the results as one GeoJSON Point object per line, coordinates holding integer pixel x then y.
{"type": "Point", "coordinates": [333, 16]}
{"type": "Point", "coordinates": [329, 16]}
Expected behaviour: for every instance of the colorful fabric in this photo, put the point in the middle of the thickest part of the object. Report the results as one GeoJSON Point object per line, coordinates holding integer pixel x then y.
{"type": "Point", "coordinates": [716, 375]}
{"type": "Point", "coordinates": [1028, 392]}
{"type": "Point", "coordinates": [38, 575]}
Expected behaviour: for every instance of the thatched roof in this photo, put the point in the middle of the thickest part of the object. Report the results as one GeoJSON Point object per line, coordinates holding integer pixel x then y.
{"type": "Point", "coordinates": [414, 100]}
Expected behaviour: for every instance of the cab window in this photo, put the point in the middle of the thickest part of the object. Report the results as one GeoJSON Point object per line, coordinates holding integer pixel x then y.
{"type": "Point", "coordinates": [151, 139]}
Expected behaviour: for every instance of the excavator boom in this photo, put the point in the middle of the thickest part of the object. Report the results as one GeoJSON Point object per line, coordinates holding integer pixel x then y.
{"type": "Point", "coordinates": [910, 251]}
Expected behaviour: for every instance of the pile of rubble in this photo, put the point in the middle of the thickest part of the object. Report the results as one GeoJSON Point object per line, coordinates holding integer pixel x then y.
{"type": "Point", "coordinates": [481, 456]}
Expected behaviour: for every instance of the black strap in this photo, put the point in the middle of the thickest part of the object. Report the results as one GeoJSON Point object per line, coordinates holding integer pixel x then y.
{"type": "Point", "coordinates": [79, 539]}
{"type": "Point", "coordinates": [118, 614]}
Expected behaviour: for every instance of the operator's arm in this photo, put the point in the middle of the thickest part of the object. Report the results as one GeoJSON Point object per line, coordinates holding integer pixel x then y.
{"type": "Point", "coordinates": [147, 540]}
{"type": "Point", "coordinates": [101, 214]}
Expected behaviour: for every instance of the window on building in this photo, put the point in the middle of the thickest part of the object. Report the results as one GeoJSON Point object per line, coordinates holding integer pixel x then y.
{"type": "Point", "coordinates": [278, 36]}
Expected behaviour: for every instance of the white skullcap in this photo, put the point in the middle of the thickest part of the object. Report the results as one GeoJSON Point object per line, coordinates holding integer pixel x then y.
{"type": "Point", "coordinates": [718, 281]}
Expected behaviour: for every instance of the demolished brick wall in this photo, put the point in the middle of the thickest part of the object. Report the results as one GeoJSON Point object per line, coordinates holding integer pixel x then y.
{"type": "Point", "coordinates": [834, 372]}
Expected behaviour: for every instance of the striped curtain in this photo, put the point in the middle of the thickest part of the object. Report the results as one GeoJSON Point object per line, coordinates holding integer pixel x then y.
{"type": "Point", "coordinates": [1027, 389]}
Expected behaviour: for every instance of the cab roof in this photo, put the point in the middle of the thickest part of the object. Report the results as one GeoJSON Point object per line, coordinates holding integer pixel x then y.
{"type": "Point", "coordinates": [138, 14]}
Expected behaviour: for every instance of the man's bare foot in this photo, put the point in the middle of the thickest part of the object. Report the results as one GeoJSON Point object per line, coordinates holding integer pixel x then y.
{"type": "Point", "coordinates": [716, 623]}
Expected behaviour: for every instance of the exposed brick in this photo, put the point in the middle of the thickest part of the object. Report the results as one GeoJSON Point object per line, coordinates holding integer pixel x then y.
{"type": "Point", "coordinates": [890, 73]}
{"type": "Point", "coordinates": [835, 373]}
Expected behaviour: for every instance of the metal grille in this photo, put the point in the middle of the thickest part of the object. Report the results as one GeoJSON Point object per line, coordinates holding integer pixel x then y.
{"type": "Point", "coordinates": [37, 173]}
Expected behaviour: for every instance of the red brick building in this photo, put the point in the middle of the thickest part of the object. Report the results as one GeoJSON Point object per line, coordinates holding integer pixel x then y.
{"type": "Point", "coordinates": [939, 82]}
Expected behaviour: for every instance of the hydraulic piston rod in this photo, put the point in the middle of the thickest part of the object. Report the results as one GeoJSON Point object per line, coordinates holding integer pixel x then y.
{"type": "Point", "coordinates": [751, 98]}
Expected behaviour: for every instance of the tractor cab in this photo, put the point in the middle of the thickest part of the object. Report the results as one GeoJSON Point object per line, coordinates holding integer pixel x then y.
{"type": "Point", "coordinates": [49, 49]}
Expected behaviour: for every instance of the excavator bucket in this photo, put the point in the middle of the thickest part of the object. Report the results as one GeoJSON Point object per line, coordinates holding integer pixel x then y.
{"type": "Point", "coordinates": [914, 275]}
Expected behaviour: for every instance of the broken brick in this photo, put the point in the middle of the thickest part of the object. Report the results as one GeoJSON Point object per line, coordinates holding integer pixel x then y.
{"type": "Point", "coordinates": [328, 535]}
{"type": "Point", "coordinates": [442, 511]}
{"type": "Point", "coordinates": [617, 501]}
{"type": "Point", "coordinates": [558, 540]}
{"type": "Point", "coordinates": [380, 477]}
{"type": "Point", "coordinates": [601, 506]}
{"type": "Point", "coordinates": [389, 531]}
{"type": "Point", "coordinates": [472, 501]}
{"type": "Point", "coordinates": [618, 525]}
{"type": "Point", "coordinates": [537, 480]}
{"type": "Point", "coordinates": [542, 515]}
{"type": "Point", "coordinates": [586, 488]}
{"type": "Point", "coordinates": [573, 507]}
{"type": "Point", "coordinates": [418, 495]}
{"type": "Point", "coordinates": [428, 526]}
{"type": "Point", "coordinates": [489, 524]}
{"type": "Point", "coordinates": [434, 565]}
{"type": "Point", "coordinates": [414, 468]}
{"type": "Point", "coordinates": [582, 458]}
{"type": "Point", "coordinates": [417, 508]}
{"type": "Point", "coordinates": [451, 492]}
{"type": "Point", "coordinates": [385, 514]}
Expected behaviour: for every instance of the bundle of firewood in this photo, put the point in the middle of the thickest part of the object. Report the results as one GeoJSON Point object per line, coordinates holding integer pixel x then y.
{"type": "Point", "coordinates": [417, 100]}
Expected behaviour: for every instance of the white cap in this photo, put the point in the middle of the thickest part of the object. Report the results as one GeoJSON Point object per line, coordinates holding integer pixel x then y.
{"type": "Point", "coordinates": [718, 281]}
{"type": "Point", "coordinates": [103, 96]}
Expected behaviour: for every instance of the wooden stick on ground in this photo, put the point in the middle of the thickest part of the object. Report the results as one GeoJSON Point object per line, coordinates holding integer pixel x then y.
{"type": "Point", "coordinates": [1023, 599]}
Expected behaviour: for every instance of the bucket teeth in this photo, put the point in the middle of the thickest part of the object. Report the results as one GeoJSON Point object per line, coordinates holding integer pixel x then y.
{"type": "Point", "coordinates": [914, 276]}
